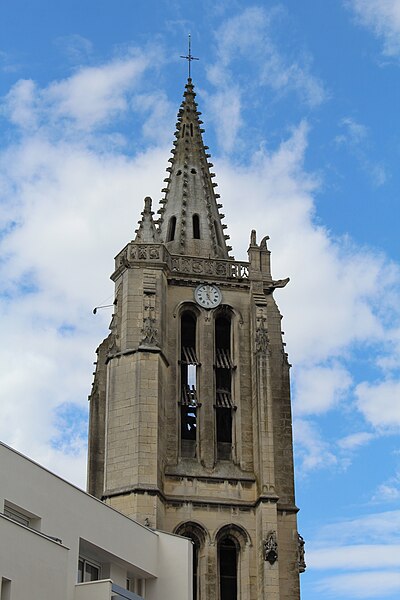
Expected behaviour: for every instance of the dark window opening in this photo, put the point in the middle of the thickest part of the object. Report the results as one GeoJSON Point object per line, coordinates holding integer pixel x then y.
{"type": "Point", "coordinates": [188, 423]}
{"type": "Point", "coordinates": [171, 229]}
{"type": "Point", "coordinates": [183, 130]}
{"type": "Point", "coordinates": [223, 333]}
{"type": "Point", "coordinates": [193, 171]}
{"type": "Point", "coordinates": [224, 433]}
{"type": "Point", "coordinates": [179, 172]}
{"type": "Point", "coordinates": [188, 330]}
{"type": "Point", "coordinates": [196, 227]}
{"type": "Point", "coordinates": [188, 398]}
{"type": "Point", "coordinates": [227, 556]}
{"type": "Point", "coordinates": [223, 388]}
{"type": "Point", "coordinates": [191, 129]}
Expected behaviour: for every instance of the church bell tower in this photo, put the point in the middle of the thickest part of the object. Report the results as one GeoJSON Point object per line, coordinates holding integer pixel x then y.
{"type": "Point", "coordinates": [190, 415]}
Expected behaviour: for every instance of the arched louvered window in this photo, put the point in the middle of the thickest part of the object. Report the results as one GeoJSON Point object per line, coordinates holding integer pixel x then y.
{"type": "Point", "coordinates": [223, 387]}
{"type": "Point", "coordinates": [196, 227]}
{"type": "Point", "coordinates": [228, 568]}
{"type": "Point", "coordinates": [188, 397]}
{"type": "Point", "coordinates": [171, 229]}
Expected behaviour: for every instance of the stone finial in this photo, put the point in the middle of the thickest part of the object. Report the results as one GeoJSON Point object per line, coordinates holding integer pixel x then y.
{"type": "Point", "coordinates": [253, 238]}
{"type": "Point", "coordinates": [147, 231]}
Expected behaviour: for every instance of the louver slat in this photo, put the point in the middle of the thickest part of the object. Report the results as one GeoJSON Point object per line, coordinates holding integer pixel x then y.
{"type": "Point", "coordinates": [224, 399]}
{"type": "Point", "coordinates": [189, 396]}
{"type": "Point", "coordinates": [223, 359]}
{"type": "Point", "coordinates": [189, 356]}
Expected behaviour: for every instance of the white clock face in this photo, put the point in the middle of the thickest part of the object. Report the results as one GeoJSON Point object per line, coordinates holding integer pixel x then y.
{"type": "Point", "coordinates": [207, 295]}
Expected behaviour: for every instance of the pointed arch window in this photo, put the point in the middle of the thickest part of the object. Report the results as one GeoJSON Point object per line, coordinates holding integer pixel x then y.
{"type": "Point", "coordinates": [188, 397]}
{"type": "Point", "coordinates": [228, 568]}
{"type": "Point", "coordinates": [196, 227]}
{"type": "Point", "coordinates": [171, 229]}
{"type": "Point", "coordinates": [223, 387]}
{"type": "Point", "coordinates": [197, 534]}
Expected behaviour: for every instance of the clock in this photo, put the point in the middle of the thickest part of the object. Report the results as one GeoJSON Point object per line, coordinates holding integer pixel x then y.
{"type": "Point", "coordinates": [208, 295]}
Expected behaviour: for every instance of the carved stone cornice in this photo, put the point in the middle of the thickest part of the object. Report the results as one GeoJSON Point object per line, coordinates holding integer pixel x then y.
{"type": "Point", "coordinates": [136, 254]}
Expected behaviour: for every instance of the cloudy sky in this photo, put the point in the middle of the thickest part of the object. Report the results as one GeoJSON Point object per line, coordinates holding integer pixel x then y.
{"type": "Point", "coordinates": [301, 108]}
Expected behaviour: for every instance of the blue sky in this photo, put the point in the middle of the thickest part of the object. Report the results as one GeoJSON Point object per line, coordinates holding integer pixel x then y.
{"type": "Point", "coordinates": [300, 104]}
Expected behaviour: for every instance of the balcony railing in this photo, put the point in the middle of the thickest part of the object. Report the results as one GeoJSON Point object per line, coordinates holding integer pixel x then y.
{"type": "Point", "coordinates": [104, 589]}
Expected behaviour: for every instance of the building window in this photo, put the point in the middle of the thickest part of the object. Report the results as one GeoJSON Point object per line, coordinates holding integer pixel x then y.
{"type": "Point", "coordinates": [196, 227]}
{"type": "Point", "coordinates": [17, 516]}
{"type": "Point", "coordinates": [87, 571]}
{"type": "Point", "coordinates": [223, 387]}
{"type": "Point", "coordinates": [5, 589]}
{"type": "Point", "coordinates": [137, 586]}
{"type": "Point", "coordinates": [188, 395]}
{"type": "Point", "coordinates": [171, 229]}
{"type": "Point", "coordinates": [227, 563]}
{"type": "Point", "coordinates": [21, 516]}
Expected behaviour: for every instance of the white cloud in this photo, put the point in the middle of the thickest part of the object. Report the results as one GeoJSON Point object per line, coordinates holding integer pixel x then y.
{"type": "Point", "coordinates": [367, 548]}
{"type": "Point", "coordinates": [389, 491]}
{"type": "Point", "coordinates": [382, 17]}
{"type": "Point", "coordinates": [248, 37]}
{"type": "Point", "coordinates": [369, 584]}
{"type": "Point", "coordinates": [319, 388]}
{"type": "Point", "coordinates": [374, 528]}
{"type": "Point", "coordinates": [355, 137]}
{"type": "Point", "coordinates": [90, 97]}
{"type": "Point", "coordinates": [380, 402]}
{"type": "Point", "coordinates": [21, 104]}
{"type": "Point", "coordinates": [349, 558]}
{"type": "Point", "coordinates": [355, 440]}
{"type": "Point", "coordinates": [312, 452]}
{"type": "Point", "coordinates": [76, 47]}
{"type": "Point", "coordinates": [95, 94]}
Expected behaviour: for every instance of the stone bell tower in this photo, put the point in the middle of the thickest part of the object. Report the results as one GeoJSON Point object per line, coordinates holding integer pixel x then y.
{"type": "Point", "coordinates": [190, 414]}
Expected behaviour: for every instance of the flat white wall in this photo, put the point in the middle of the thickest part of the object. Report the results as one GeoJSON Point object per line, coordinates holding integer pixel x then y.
{"type": "Point", "coordinates": [174, 570]}
{"type": "Point", "coordinates": [36, 566]}
{"type": "Point", "coordinates": [70, 514]}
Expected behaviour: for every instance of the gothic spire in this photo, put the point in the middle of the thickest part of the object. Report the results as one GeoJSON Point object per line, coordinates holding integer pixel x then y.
{"type": "Point", "coordinates": [190, 222]}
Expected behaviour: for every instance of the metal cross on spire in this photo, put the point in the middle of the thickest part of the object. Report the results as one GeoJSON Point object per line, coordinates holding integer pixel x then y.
{"type": "Point", "coordinates": [189, 57]}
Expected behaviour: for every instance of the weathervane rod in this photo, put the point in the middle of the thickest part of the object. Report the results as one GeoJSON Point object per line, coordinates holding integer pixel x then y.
{"type": "Point", "coordinates": [189, 57]}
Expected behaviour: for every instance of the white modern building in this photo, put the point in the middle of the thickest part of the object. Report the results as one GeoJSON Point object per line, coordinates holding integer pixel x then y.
{"type": "Point", "coordinates": [59, 543]}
